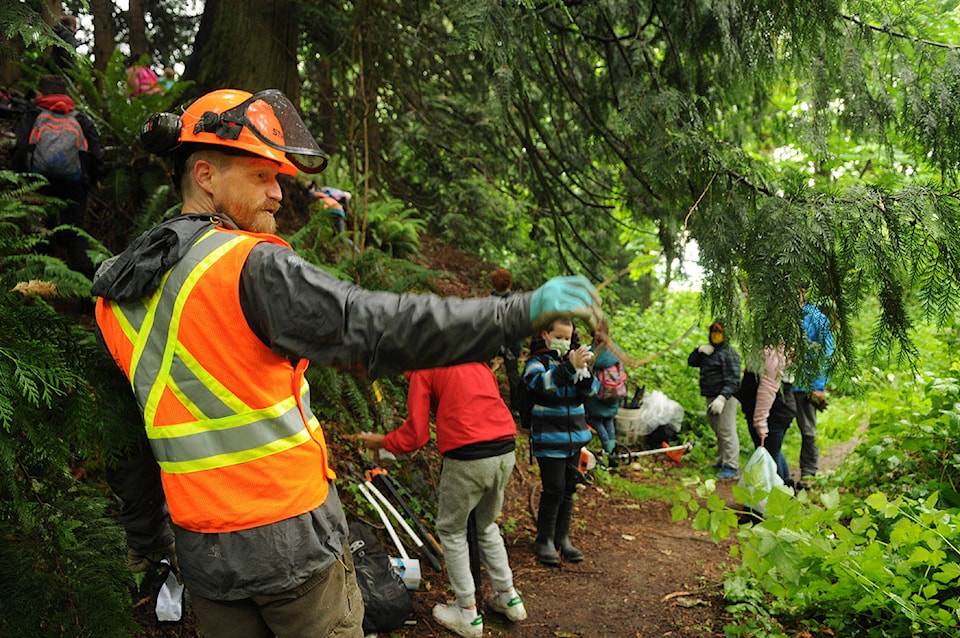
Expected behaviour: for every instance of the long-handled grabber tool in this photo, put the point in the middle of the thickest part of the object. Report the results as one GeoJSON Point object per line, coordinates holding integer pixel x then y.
{"type": "Point", "coordinates": [417, 541]}
{"type": "Point", "coordinates": [382, 479]}
{"type": "Point", "coordinates": [409, 568]}
{"type": "Point", "coordinates": [473, 549]}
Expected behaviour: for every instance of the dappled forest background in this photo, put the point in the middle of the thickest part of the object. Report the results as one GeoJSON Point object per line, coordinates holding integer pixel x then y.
{"type": "Point", "coordinates": [774, 142]}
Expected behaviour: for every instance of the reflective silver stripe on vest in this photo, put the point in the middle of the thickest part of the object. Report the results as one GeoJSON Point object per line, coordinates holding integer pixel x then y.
{"type": "Point", "coordinates": [226, 431]}
{"type": "Point", "coordinates": [225, 436]}
{"type": "Point", "coordinates": [155, 327]}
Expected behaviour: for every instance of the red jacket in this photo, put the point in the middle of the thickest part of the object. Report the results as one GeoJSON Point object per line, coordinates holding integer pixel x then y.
{"type": "Point", "coordinates": [468, 407]}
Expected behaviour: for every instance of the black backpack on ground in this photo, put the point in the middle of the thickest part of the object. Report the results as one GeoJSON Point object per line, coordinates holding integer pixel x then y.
{"type": "Point", "coordinates": [386, 601]}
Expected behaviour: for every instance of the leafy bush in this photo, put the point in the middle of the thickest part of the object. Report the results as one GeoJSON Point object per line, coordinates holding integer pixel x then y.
{"type": "Point", "coordinates": [884, 568]}
{"type": "Point", "coordinates": [60, 408]}
{"type": "Point", "coordinates": [879, 553]}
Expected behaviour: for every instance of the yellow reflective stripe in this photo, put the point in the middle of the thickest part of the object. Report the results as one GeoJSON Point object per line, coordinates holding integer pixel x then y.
{"type": "Point", "coordinates": [125, 326]}
{"type": "Point", "coordinates": [171, 343]}
{"type": "Point", "coordinates": [213, 384]}
{"type": "Point", "coordinates": [312, 422]}
{"type": "Point", "coordinates": [186, 429]}
{"type": "Point", "coordinates": [127, 329]}
{"type": "Point", "coordinates": [235, 458]}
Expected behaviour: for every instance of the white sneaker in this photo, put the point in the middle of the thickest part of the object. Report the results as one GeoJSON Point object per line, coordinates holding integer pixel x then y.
{"type": "Point", "coordinates": [451, 617]}
{"type": "Point", "coordinates": [513, 608]}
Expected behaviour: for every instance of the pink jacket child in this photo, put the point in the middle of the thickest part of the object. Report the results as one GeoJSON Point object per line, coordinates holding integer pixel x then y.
{"type": "Point", "coordinates": [143, 81]}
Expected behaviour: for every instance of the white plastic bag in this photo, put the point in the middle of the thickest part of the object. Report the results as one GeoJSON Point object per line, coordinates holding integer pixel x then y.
{"type": "Point", "coordinates": [659, 409]}
{"type": "Point", "coordinates": [170, 598]}
{"type": "Point", "coordinates": [760, 476]}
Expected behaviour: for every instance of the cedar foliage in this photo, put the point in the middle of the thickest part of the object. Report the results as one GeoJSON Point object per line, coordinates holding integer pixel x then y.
{"type": "Point", "coordinates": [588, 120]}
{"type": "Point", "coordinates": [59, 404]}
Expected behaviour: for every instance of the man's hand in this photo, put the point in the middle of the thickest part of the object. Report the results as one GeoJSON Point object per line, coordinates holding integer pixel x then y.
{"type": "Point", "coordinates": [706, 349]}
{"type": "Point", "coordinates": [716, 406]}
{"type": "Point", "coordinates": [565, 296]}
{"type": "Point", "coordinates": [139, 560]}
{"type": "Point", "coordinates": [819, 400]}
{"type": "Point", "coordinates": [372, 440]}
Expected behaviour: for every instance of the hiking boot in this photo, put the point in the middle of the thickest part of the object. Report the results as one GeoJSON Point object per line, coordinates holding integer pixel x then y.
{"type": "Point", "coordinates": [512, 608]}
{"type": "Point", "coordinates": [451, 617]}
{"type": "Point", "coordinates": [728, 473]}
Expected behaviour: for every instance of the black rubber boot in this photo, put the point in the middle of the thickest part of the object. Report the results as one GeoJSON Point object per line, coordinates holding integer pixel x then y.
{"type": "Point", "coordinates": [546, 523]}
{"type": "Point", "coordinates": [562, 532]}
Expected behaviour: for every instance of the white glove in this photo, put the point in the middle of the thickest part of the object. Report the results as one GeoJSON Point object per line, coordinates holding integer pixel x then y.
{"type": "Point", "coordinates": [581, 374]}
{"type": "Point", "coordinates": [706, 349]}
{"type": "Point", "coordinates": [716, 406]}
{"type": "Point", "coordinates": [581, 357]}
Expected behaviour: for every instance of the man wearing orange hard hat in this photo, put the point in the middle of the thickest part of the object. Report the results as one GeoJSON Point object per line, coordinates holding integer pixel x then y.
{"type": "Point", "coordinates": [213, 319]}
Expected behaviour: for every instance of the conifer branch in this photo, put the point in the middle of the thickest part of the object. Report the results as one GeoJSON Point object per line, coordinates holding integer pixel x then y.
{"type": "Point", "coordinates": [898, 34]}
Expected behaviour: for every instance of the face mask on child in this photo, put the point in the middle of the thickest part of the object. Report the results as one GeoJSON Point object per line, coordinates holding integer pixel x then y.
{"type": "Point", "coordinates": [562, 346]}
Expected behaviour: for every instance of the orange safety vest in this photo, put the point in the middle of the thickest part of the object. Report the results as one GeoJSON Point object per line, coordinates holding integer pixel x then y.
{"type": "Point", "coordinates": [228, 419]}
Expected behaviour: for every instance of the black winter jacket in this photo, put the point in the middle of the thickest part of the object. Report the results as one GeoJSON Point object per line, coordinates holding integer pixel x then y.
{"type": "Point", "coordinates": [719, 371]}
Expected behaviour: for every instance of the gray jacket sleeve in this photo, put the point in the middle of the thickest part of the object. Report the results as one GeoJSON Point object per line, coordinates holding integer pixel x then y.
{"type": "Point", "coordinates": [301, 311]}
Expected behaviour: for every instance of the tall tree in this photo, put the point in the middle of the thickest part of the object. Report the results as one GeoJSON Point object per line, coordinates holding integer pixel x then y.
{"type": "Point", "coordinates": [247, 43]}
{"type": "Point", "coordinates": [137, 26]}
{"type": "Point", "coordinates": [736, 124]}
{"type": "Point", "coordinates": [104, 33]}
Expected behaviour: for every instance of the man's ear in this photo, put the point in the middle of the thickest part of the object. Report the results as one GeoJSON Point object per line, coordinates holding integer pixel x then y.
{"type": "Point", "coordinates": [203, 172]}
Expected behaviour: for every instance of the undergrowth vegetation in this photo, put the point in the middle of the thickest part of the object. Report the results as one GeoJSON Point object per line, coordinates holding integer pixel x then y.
{"type": "Point", "coordinates": [875, 550]}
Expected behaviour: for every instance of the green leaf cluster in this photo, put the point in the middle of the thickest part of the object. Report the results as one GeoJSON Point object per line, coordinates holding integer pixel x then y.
{"type": "Point", "coordinates": [875, 553]}
{"type": "Point", "coordinates": [60, 408]}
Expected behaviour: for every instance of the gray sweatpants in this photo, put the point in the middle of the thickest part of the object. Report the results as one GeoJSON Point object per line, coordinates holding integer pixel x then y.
{"type": "Point", "coordinates": [478, 486]}
{"type": "Point", "coordinates": [807, 422]}
{"type": "Point", "coordinates": [725, 427]}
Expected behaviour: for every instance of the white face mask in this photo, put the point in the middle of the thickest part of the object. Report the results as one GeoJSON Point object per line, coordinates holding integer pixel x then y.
{"type": "Point", "coordinates": [562, 346]}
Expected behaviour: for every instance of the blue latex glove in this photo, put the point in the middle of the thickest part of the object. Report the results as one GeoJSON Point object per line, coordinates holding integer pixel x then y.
{"type": "Point", "coordinates": [565, 296]}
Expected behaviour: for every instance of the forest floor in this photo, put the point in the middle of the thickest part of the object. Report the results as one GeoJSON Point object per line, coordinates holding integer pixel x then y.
{"type": "Point", "coordinates": [644, 576]}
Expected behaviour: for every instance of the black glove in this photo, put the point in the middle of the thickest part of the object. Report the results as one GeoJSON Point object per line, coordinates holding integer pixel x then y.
{"type": "Point", "coordinates": [139, 560]}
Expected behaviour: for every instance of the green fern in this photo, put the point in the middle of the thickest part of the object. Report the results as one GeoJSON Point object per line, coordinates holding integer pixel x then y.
{"type": "Point", "coordinates": [393, 227]}
{"type": "Point", "coordinates": [63, 558]}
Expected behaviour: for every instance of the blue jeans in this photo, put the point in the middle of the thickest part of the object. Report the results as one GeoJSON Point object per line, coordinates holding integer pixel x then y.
{"type": "Point", "coordinates": [774, 444]}
{"type": "Point", "coordinates": [604, 426]}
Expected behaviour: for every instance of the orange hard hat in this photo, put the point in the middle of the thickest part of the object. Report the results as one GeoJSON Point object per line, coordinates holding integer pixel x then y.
{"type": "Point", "coordinates": [265, 124]}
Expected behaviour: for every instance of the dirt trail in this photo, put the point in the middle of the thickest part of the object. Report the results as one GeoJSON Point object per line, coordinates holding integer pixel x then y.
{"type": "Point", "coordinates": [643, 575]}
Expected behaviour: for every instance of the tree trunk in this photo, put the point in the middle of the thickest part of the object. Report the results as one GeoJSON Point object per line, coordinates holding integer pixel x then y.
{"type": "Point", "coordinates": [247, 44]}
{"type": "Point", "coordinates": [104, 33]}
{"type": "Point", "coordinates": [137, 24]}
